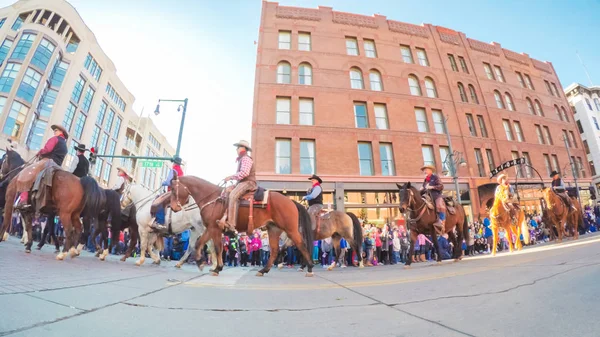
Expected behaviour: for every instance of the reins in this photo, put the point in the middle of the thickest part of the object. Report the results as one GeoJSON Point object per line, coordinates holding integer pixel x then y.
{"type": "Point", "coordinates": [421, 209]}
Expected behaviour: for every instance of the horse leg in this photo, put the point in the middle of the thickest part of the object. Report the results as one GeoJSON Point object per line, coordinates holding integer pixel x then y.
{"type": "Point", "coordinates": [338, 250]}
{"type": "Point", "coordinates": [216, 236]}
{"type": "Point", "coordinates": [97, 231]}
{"type": "Point", "coordinates": [44, 234]}
{"type": "Point", "coordinates": [436, 245]}
{"type": "Point", "coordinates": [297, 240]}
{"type": "Point", "coordinates": [509, 233]}
{"type": "Point", "coordinates": [53, 232]}
{"type": "Point", "coordinates": [152, 240]}
{"type": "Point", "coordinates": [133, 240]}
{"type": "Point", "coordinates": [274, 234]}
{"type": "Point", "coordinates": [75, 233]}
{"type": "Point", "coordinates": [83, 239]}
{"type": "Point", "coordinates": [29, 227]}
{"type": "Point", "coordinates": [200, 247]}
{"type": "Point", "coordinates": [193, 238]}
{"type": "Point", "coordinates": [494, 226]}
{"type": "Point", "coordinates": [411, 250]}
{"type": "Point", "coordinates": [106, 250]}
{"type": "Point", "coordinates": [143, 247]}
{"type": "Point", "coordinates": [357, 248]}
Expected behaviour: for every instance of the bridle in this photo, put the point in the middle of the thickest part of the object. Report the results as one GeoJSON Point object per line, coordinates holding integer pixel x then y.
{"type": "Point", "coordinates": [421, 210]}
{"type": "Point", "coordinates": [197, 203]}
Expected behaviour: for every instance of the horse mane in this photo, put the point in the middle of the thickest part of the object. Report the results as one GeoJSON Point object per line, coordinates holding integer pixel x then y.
{"type": "Point", "coordinates": [14, 159]}
{"type": "Point", "coordinates": [204, 184]}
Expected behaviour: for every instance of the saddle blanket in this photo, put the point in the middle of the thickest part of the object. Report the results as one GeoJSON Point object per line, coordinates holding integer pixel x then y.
{"type": "Point", "coordinates": [260, 198]}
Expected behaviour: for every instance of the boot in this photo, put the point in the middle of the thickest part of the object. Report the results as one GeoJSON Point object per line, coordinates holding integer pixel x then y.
{"type": "Point", "coordinates": [439, 227]}
{"type": "Point", "coordinates": [23, 201]}
{"type": "Point", "coordinates": [225, 225]}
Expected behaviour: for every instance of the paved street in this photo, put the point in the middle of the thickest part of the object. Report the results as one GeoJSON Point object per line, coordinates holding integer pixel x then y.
{"type": "Point", "coordinates": [545, 291]}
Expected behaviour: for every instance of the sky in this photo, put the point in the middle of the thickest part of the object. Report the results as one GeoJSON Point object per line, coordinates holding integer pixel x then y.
{"type": "Point", "coordinates": [205, 51]}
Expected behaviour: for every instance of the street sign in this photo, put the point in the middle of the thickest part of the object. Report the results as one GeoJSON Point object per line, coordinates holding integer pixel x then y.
{"type": "Point", "coordinates": [506, 165]}
{"type": "Point", "coordinates": [151, 163]}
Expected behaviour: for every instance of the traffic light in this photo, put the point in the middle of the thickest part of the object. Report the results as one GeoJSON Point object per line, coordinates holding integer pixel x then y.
{"type": "Point", "coordinates": [92, 156]}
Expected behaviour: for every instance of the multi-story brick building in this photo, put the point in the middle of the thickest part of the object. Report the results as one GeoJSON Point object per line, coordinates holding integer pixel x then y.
{"type": "Point", "coordinates": [361, 101]}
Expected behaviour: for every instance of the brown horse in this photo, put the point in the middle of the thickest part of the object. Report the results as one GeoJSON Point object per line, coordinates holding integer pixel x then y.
{"type": "Point", "coordinates": [422, 219]}
{"type": "Point", "coordinates": [557, 213]}
{"type": "Point", "coordinates": [281, 214]}
{"type": "Point", "coordinates": [69, 197]}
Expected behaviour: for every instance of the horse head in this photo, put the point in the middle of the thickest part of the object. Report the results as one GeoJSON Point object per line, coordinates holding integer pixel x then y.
{"type": "Point", "coordinates": [179, 194]}
{"type": "Point", "coordinates": [546, 195]}
{"type": "Point", "coordinates": [407, 196]}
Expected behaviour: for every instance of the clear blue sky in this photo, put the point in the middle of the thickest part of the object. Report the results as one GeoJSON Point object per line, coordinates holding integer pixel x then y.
{"type": "Point", "coordinates": [204, 50]}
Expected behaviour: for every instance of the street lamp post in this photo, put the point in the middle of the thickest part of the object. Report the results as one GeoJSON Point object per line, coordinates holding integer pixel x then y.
{"type": "Point", "coordinates": [179, 108]}
{"type": "Point", "coordinates": [573, 168]}
{"type": "Point", "coordinates": [452, 160]}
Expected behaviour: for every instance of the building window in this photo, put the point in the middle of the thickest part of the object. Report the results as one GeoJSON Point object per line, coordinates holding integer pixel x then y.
{"type": "Point", "coordinates": [488, 71]}
{"type": "Point", "coordinates": [78, 89]}
{"type": "Point", "coordinates": [530, 106]}
{"type": "Point", "coordinates": [8, 76]}
{"type": "Point", "coordinates": [430, 88]}
{"type": "Point", "coordinates": [17, 24]}
{"type": "Point", "coordinates": [519, 131]}
{"type": "Point", "coordinates": [463, 64]}
{"type": "Point", "coordinates": [452, 62]}
{"type": "Point", "coordinates": [365, 158]}
{"type": "Point", "coordinates": [520, 78]}
{"type": "Point", "coordinates": [587, 101]}
{"type": "Point", "coordinates": [473, 94]}
{"type": "Point", "coordinates": [117, 128]}
{"type": "Point", "coordinates": [37, 134]}
{"type": "Point", "coordinates": [592, 168]}
{"type": "Point", "coordinates": [579, 127]}
{"type": "Point", "coordinates": [580, 167]}
{"type": "Point", "coordinates": [438, 122]}
{"type": "Point", "coordinates": [305, 74]}
{"type": "Point", "coordinates": [547, 164]}
{"type": "Point", "coordinates": [596, 101]}
{"type": "Point", "coordinates": [103, 143]}
{"type": "Point", "coordinates": [87, 99]}
{"type": "Point", "coordinates": [42, 54]}
{"type": "Point", "coordinates": [406, 54]}
{"type": "Point", "coordinates": [360, 115]}
{"type": "Point", "coordinates": [284, 105]}
{"type": "Point", "coordinates": [422, 57]}
{"type": "Point", "coordinates": [555, 90]}
{"type": "Point", "coordinates": [540, 136]}
{"type": "Point", "coordinates": [528, 161]}
{"type": "Point", "coordinates": [422, 124]}
{"type": "Point", "coordinates": [29, 85]}
{"type": "Point", "coordinates": [351, 46]}
{"type": "Point", "coordinates": [79, 124]}
{"type": "Point", "coordinates": [573, 139]}
{"type": "Point", "coordinates": [586, 147]}
{"type": "Point", "coordinates": [518, 168]}
{"type": "Point", "coordinates": [482, 127]}
{"type": "Point", "coordinates": [69, 115]}
{"type": "Point", "coordinates": [428, 158]}
{"type": "Point", "coordinates": [471, 124]}
{"type": "Point", "coordinates": [555, 165]}
{"type": "Point", "coordinates": [23, 46]}
{"type": "Point", "coordinates": [499, 74]}
{"type": "Point", "coordinates": [386, 154]}
{"type": "Point", "coordinates": [4, 49]}
{"type": "Point", "coordinates": [303, 41]}
{"type": "Point", "coordinates": [538, 108]}
{"type": "Point", "coordinates": [413, 84]}
{"type": "Point", "coordinates": [548, 137]}
{"type": "Point", "coordinates": [106, 174]}
{"type": "Point", "coordinates": [381, 117]}
{"type": "Point", "coordinates": [548, 88]}
{"type": "Point", "coordinates": [58, 74]}
{"type": "Point", "coordinates": [2, 21]}
{"type": "Point", "coordinates": [95, 136]}
{"type": "Point", "coordinates": [101, 113]}
{"type": "Point", "coordinates": [509, 102]}
{"type": "Point", "coordinates": [285, 39]}
{"type": "Point", "coordinates": [375, 78]}
{"type": "Point", "coordinates": [507, 129]}
{"type": "Point", "coordinates": [307, 111]}
{"type": "Point", "coordinates": [463, 94]}
{"type": "Point", "coordinates": [370, 48]}
{"type": "Point", "coordinates": [307, 157]}
{"type": "Point", "coordinates": [110, 119]}
{"type": "Point", "coordinates": [566, 138]}
{"type": "Point", "coordinates": [356, 79]}
{"type": "Point", "coordinates": [284, 73]}
{"type": "Point", "coordinates": [15, 121]}
{"type": "Point", "coordinates": [444, 153]}
{"type": "Point", "coordinates": [479, 160]}
{"type": "Point", "coordinates": [564, 114]}
{"type": "Point", "coordinates": [490, 158]}
{"type": "Point", "coordinates": [596, 123]}
{"type": "Point", "coordinates": [528, 82]}
{"type": "Point", "coordinates": [92, 66]}
{"type": "Point", "coordinates": [499, 101]}
{"type": "Point", "coordinates": [557, 111]}
{"type": "Point", "coordinates": [47, 103]}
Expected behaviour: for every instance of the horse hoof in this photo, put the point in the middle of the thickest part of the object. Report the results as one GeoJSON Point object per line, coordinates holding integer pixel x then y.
{"type": "Point", "coordinates": [456, 260]}
{"type": "Point", "coordinates": [280, 266]}
{"type": "Point", "coordinates": [406, 267]}
{"type": "Point", "coordinates": [260, 274]}
{"type": "Point", "coordinates": [102, 258]}
{"type": "Point", "coordinates": [301, 270]}
{"type": "Point", "coordinates": [138, 263]}
{"type": "Point", "coordinates": [60, 256]}
{"type": "Point", "coordinates": [123, 259]}
{"type": "Point", "coordinates": [38, 248]}
{"type": "Point", "coordinates": [439, 263]}
{"type": "Point", "coordinates": [27, 251]}
{"type": "Point", "coordinates": [178, 266]}
{"type": "Point", "coordinates": [5, 237]}
{"type": "Point", "coordinates": [214, 274]}
{"type": "Point", "coordinates": [201, 267]}
{"type": "Point", "coordinates": [330, 268]}
{"type": "Point", "coordinates": [72, 252]}
{"type": "Point", "coordinates": [311, 274]}
{"type": "Point", "coordinates": [156, 262]}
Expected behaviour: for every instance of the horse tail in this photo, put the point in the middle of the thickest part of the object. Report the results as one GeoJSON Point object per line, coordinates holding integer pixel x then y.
{"type": "Point", "coordinates": [357, 232]}
{"type": "Point", "coordinates": [465, 227]}
{"type": "Point", "coordinates": [94, 197]}
{"type": "Point", "coordinates": [305, 224]}
{"type": "Point", "coordinates": [524, 230]}
{"type": "Point", "coordinates": [113, 207]}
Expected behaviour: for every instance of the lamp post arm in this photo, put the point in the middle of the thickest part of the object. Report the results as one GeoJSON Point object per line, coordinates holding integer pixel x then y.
{"type": "Point", "coordinates": [452, 167]}
{"type": "Point", "coordinates": [185, 102]}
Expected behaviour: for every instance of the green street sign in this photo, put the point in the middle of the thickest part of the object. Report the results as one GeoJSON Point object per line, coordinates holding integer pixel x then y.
{"type": "Point", "coordinates": [151, 163]}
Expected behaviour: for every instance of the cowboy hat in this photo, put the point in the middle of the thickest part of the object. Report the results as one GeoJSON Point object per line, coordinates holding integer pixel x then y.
{"type": "Point", "coordinates": [177, 160]}
{"type": "Point", "coordinates": [316, 177]}
{"type": "Point", "coordinates": [243, 143]}
{"type": "Point", "coordinates": [61, 128]}
{"type": "Point", "coordinates": [553, 173]}
{"type": "Point", "coordinates": [12, 145]}
{"type": "Point", "coordinates": [80, 147]}
{"type": "Point", "coordinates": [431, 167]}
{"type": "Point", "coordinates": [501, 176]}
{"type": "Point", "coordinates": [124, 170]}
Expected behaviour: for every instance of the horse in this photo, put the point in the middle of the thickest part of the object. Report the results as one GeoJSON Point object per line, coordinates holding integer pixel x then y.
{"type": "Point", "coordinates": [557, 213]}
{"type": "Point", "coordinates": [12, 164]}
{"type": "Point", "coordinates": [500, 217]}
{"type": "Point", "coordinates": [68, 197]}
{"type": "Point", "coordinates": [422, 219]}
{"type": "Point", "coordinates": [336, 225]}
{"type": "Point", "coordinates": [280, 214]}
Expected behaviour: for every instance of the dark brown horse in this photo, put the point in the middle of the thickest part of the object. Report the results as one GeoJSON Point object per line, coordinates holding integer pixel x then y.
{"type": "Point", "coordinates": [556, 213]}
{"type": "Point", "coordinates": [281, 215]}
{"type": "Point", "coordinates": [422, 219]}
{"type": "Point", "coordinates": [69, 198]}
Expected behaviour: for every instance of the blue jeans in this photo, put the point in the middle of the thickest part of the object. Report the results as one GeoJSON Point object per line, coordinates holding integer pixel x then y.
{"type": "Point", "coordinates": [160, 216]}
{"type": "Point", "coordinates": [290, 256]}
{"type": "Point", "coordinates": [264, 256]}
{"type": "Point", "coordinates": [395, 257]}
{"type": "Point", "coordinates": [315, 253]}
{"type": "Point", "coordinates": [168, 247]}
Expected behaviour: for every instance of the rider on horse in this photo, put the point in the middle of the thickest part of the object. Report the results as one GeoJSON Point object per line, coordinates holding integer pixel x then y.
{"type": "Point", "coordinates": [314, 198]}
{"type": "Point", "coordinates": [246, 182]}
{"type": "Point", "coordinates": [505, 193]}
{"type": "Point", "coordinates": [559, 188]}
{"type": "Point", "coordinates": [433, 184]}
{"type": "Point", "coordinates": [80, 166]}
{"type": "Point", "coordinates": [124, 179]}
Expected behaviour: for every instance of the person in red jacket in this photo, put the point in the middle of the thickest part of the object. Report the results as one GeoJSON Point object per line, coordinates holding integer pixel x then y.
{"type": "Point", "coordinates": [176, 169]}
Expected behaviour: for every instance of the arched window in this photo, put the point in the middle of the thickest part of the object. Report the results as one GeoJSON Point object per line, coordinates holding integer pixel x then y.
{"type": "Point", "coordinates": [538, 108]}
{"type": "Point", "coordinates": [375, 78]}
{"type": "Point", "coordinates": [284, 73]}
{"type": "Point", "coordinates": [305, 74]}
{"type": "Point", "coordinates": [463, 94]}
{"type": "Point", "coordinates": [530, 106]}
{"type": "Point", "coordinates": [509, 102]}
{"type": "Point", "coordinates": [413, 84]}
{"type": "Point", "coordinates": [499, 101]}
{"type": "Point", "coordinates": [564, 112]}
{"type": "Point", "coordinates": [557, 111]}
{"type": "Point", "coordinates": [473, 94]}
{"type": "Point", "coordinates": [430, 87]}
{"type": "Point", "coordinates": [356, 79]}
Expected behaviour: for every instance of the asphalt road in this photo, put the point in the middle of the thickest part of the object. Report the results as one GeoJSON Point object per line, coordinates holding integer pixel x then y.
{"type": "Point", "coordinates": [549, 290]}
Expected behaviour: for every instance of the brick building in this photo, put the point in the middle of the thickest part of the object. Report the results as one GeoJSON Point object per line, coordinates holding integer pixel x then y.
{"type": "Point", "coordinates": [361, 101]}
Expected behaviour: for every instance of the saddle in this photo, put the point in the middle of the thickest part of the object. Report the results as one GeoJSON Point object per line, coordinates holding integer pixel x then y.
{"type": "Point", "coordinates": [37, 179]}
{"type": "Point", "coordinates": [448, 201]}
{"type": "Point", "coordinates": [163, 200]}
{"type": "Point", "coordinates": [258, 198]}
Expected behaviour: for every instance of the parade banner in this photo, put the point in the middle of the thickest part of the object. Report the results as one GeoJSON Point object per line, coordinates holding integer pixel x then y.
{"type": "Point", "coordinates": [506, 165]}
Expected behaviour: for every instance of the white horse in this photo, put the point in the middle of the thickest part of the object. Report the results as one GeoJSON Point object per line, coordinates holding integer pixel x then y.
{"type": "Point", "coordinates": [188, 218]}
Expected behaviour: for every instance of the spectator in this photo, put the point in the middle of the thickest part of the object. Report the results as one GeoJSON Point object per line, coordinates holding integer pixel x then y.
{"type": "Point", "coordinates": [445, 248]}
{"type": "Point", "coordinates": [343, 250]}
{"type": "Point", "coordinates": [396, 247]}
{"type": "Point", "coordinates": [265, 250]}
{"type": "Point", "coordinates": [255, 245]}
